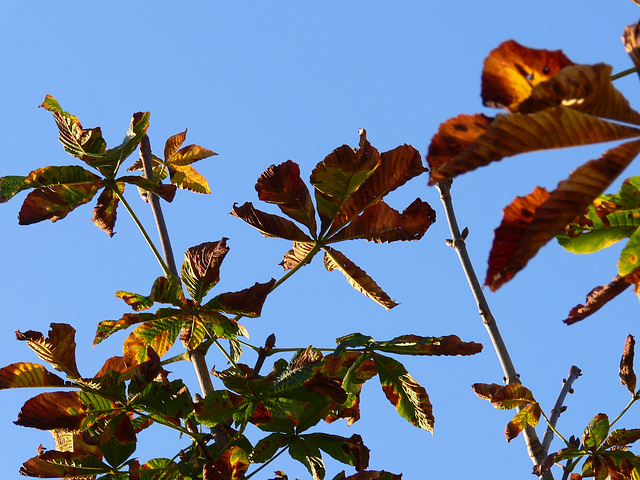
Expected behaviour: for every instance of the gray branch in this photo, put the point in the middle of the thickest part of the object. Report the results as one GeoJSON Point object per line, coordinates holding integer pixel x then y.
{"type": "Point", "coordinates": [558, 408]}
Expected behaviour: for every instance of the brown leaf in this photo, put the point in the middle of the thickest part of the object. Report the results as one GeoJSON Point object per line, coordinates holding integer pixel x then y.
{"type": "Point", "coordinates": [453, 137]}
{"type": "Point", "coordinates": [381, 223]}
{"type": "Point", "coordinates": [59, 348]}
{"type": "Point", "coordinates": [282, 185]}
{"type": "Point", "coordinates": [297, 254]}
{"type": "Point", "coordinates": [513, 134]}
{"type": "Point", "coordinates": [25, 374]}
{"type": "Point", "coordinates": [173, 143]}
{"type": "Point", "coordinates": [417, 345]}
{"type": "Point", "coordinates": [55, 464]}
{"type": "Point", "coordinates": [201, 267]}
{"type": "Point", "coordinates": [486, 391]}
{"type": "Point", "coordinates": [339, 175]}
{"type": "Point", "coordinates": [50, 410]}
{"type": "Point", "coordinates": [54, 202]}
{"type": "Point", "coordinates": [166, 192]}
{"type": "Point", "coordinates": [268, 224]}
{"type": "Point", "coordinates": [597, 298]}
{"type": "Point", "coordinates": [627, 375]}
{"type": "Point", "coordinates": [530, 222]}
{"type": "Point", "coordinates": [396, 167]}
{"type": "Point", "coordinates": [104, 213]}
{"type": "Point", "coordinates": [511, 71]}
{"type": "Point", "coordinates": [247, 302]}
{"type": "Point", "coordinates": [631, 40]}
{"type": "Point", "coordinates": [230, 465]}
{"type": "Point", "coordinates": [358, 278]}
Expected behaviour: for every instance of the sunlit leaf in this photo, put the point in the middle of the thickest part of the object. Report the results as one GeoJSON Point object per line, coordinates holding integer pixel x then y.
{"type": "Point", "coordinates": [25, 374]}
{"type": "Point", "coordinates": [622, 437]}
{"type": "Point", "coordinates": [58, 349]}
{"type": "Point", "coordinates": [54, 202]}
{"type": "Point", "coordinates": [188, 155]}
{"type": "Point", "coordinates": [186, 177]}
{"type": "Point", "coordinates": [511, 71]}
{"type": "Point", "coordinates": [596, 299]}
{"type": "Point", "coordinates": [164, 290]}
{"type": "Point", "coordinates": [358, 278]}
{"type": "Point", "coordinates": [530, 222]}
{"type": "Point", "coordinates": [297, 254]}
{"type": "Point", "coordinates": [528, 416]}
{"type": "Point", "coordinates": [595, 240]}
{"type": "Point", "coordinates": [416, 345]}
{"type": "Point", "coordinates": [268, 224]}
{"type": "Point", "coordinates": [381, 223]}
{"type": "Point", "coordinates": [282, 185]}
{"type": "Point", "coordinates": [340, 174]}
{"type": "Point", "coordinates": [627, 375]}
{"type": "Point", "coordinates": [10, 186]}
{"type": "Point", "coordinates": [407, 395]}
{"type": "Point", "coordinates": [54, 464]}
{"type": "Point", "coordinates": [504, 397]}
{"type": "Point", "coordinates": [247, 302]}
{"type": "Point", "coordinates": [630, 255]}
{"type": "Point", "coordinates": [50, 410]}
{"type": "Point", "coordinates": [396, 167]}
{"type": "Point", "coordinates": [173, 143]}
{"type": "Point", "coordinates": [596, 431]}
{"type": "Point", "coordinates": [158, 334]}
{"type": "Point", "coordinates": [201, 267]}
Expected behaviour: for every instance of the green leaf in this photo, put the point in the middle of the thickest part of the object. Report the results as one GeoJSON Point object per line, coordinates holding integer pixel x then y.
{"type": "Point", "coordinates": [630, 255]}
{"type": "Point", "coordinates": [267, 447]}
{"type": "Point", "coordinates": [10, 186]}
{"type": "Point", "coordinates": [596, 431]}
{"type": "Point", "coordinates": [416, 345]}
{"type": "Point", "coordinates": [218, 406]}
{"type": "Point", "coordinates": [309, 455]}
{"type": "Point", "coordinates": [595, 240]}
{"type": "Point", "coordinates": [157, 334]}
{"type": "Point", "coordinates": [353, 340]}
{"type": "Point", "coordinates": [409, 397]}
{"type": "Point", "coordinates": [28, 375]}
{"type": "Point", "coordinates": [167, 399]}
{"type": "Point", "coordinates": [350, 451]}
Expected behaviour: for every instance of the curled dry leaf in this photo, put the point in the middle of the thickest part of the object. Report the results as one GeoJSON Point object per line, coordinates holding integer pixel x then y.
{"type": "Point", "coordinates": [58, 349]}
{"type": "Point", "coordinates": [627, 375]}
{"type": "Point", "coordinates": [297, 254]}
{"type": "Point", "coordinates": [597, 298]}
{"type": "Point", "coordinates": [631, 40]}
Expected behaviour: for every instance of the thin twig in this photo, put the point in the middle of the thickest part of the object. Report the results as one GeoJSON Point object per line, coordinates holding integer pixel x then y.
{"type": "Point", "coordinates": [263, 353]}
{"type": "Point", "coordinates": [534, 448]}
{"type": "Point", "coordinates": [558, 408]}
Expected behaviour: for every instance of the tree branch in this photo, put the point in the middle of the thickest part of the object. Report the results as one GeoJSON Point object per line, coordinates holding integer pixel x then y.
{"type": "Point", "coordinates": [558, 408]}
{"type": "Point", "coordinates": [534, 448]}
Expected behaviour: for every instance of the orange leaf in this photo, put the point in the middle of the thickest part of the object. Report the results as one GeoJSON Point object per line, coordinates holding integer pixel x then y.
{"type": "Point", "coordinates": [531, 221]}
{"type": "Point", "coordinates": [511, 71]}
{"type": "Point", "coordinates": [25, 374]}
{"type": "Point", "coordinates": [297, 254]}
{"type": "Point", "coordinates": [53, 410]}
{"type": "Point", "coordinates": [59, 348]}
{"type": "Point", "coordinates": [104, 213]}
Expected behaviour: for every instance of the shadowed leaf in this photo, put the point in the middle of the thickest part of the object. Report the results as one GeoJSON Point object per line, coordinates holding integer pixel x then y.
{"type": "Point", "coordinates": [10, 186]}
{"type": "Point", "coordinates": [358, 278]}
{"type": "Point", "coordinates": [511, 71]}
{"type": "Point", "coordinates": [268, 224]}
{"type": "Point", "coordinates": [369, 475]}
{"type": "Point", "coordinates": [396, 167]}
{"type": "Point", "coordinates": [58, 349]}
{"type": "Point", "coordinates": [25, 374]}
{"type": "Point", "coordinates": [218, 406]}
{"type": "Point", "coordinates": [307, 453]}
{"type": "Point", "coordinates": [282, 185]}
{"type": "Point", "coordinates": [596, 299]}
{"type": "Point", "coordinates": [230, 465]}
{"type": "Point", "coordinates": [297, 254]}
{"type": "Point", "coordinates": [54, 202]}
{"type": "Point", "coordinates": [246, 302]}
{"type": "Point", "coordinates": [54, 464]}
{"type": "Point", "coordinates": [201, 267]}
{"type": "Point", "coordinates": [381, 223]}
{"type": "Point", "coordinates": [340, 174]}
{"type": "Point", "coordinates": [351, 451]}
{"type": "Point", "coordinates": [416, 345]}
{"type": "Point", "coordinates": [529, 415]}
{"type": "Point", "coordinates": [627, 375]}
{"type": "Point", "coordinates": [530, 222]}
{"type": "Point", "coordinates": [47, 411]}
{"type": "Point", "coordinates": [409, 397]}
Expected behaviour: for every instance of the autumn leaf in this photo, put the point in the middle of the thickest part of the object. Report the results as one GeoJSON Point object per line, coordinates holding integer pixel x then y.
{"type": "Point", "coordinates": [58, 348]}
{"type": "Point", "coordinates": [627, 375]}
{"type": "Point", "coordinates": [25, 374]}
{"type": "Point", "coordinates": [54, 464]}
{"type": "Point", "coordinates": [358, 278]}
{"type": "Point", "coordinates": [299, 252]}
{"type": "Point", "coordinates": [164, 290]}
{"type": "Point", "coordinates": [504, 397]}
{"type": "Point", "coordinates": [528, 416]}
{"type": "Point", "coordinates": [597, 298]}
{"type": "Point", "coordinates": [268, 224]}
{"type": "Point", "coordinates": [201, 267]}
{"type": "Point", "coordinates": [282, 185]}
{"type": "Point", "coordinates": [54, 202]}
{"type": "Point", "coordinates": [417, 345]}
{"type": "Point", "coordinates": [158, 334]}
{"type": "Point", "coordinates": [596, 431]}
{"type": "Point", "coordinates": [247, 302]}
{"type": "Point", "coordinates": [47, 411]}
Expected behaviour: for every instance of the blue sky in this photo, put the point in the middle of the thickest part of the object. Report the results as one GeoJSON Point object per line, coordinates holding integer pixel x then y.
{"type": "Point", "coordinates": [263, 82]}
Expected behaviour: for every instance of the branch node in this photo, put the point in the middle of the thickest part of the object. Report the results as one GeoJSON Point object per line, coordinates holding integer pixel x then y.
{"type": "Point", "coordinates": [449, 242]}
{"type": "Point", "coordinates": [464, 233]}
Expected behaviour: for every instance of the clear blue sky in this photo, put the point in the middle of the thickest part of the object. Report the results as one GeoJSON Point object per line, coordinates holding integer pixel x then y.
{"type": "Point", "coordinates": [263, 82]}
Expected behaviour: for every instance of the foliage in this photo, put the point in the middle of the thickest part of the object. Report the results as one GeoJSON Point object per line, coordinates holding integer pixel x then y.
{"type": "Point", "coordinates": [550, 102]}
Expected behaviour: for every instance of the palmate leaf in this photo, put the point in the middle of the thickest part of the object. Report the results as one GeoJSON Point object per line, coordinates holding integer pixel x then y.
{"type": "Point", "coordinates": [28, 375]}
{"type": "Point", "coordinates": [308, 453]}
{"type": "Point", "coordinates": [339, 175]}
{"type": "Point", "coordinates": [596, 432]}
{"type": "Point", "coordinates": [164, 290]}
{"type": "Point", "coordinates": [58, 349]}
{"type": "Point", "coordinates": [299, 252]}
{"type": "Point", "coordinates": [201, 267]}
{"type": "Point", "coordinates": [358, 278]}
{"type": "Point", "coordinates": [409, 397]}
{"type": "Point", "coordinates": [530, 222]}
{"type": "Point", "coordinates": [157, 334]}
{"type": "Point", "coordinates": [72, 465]}
{"type": "Point", "coordinates": [528, 416]}
{"type": "Point", "coordinates": [178, 161]}
{"type": "Point", "coordinates": [89, 146]}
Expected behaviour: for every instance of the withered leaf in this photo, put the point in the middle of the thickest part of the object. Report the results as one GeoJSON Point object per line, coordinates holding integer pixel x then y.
{"type": "Point", "coordinates": [50, 410]}
{"type": "Point", "coordinates": [530, 222]}
{"type": "Point", "coordinates": [297, 254]}
{"type": "Point", "coordinates": [282, 185]}
{"type": "Point", "coordinates": [58, 349]}
{"type": "Point", "coordinates": [511, 71]}
{"type": "Point", "coordinates": [201, 267]}
{"type": "Point", "coordinates": [627, 375]}
{"type": "Point", "coordinates": [597, 298]}
{"type": "Point", "coordinates": [381, 223]}
{"type": "Point", "coordinates": [246, 302]}
{"type": "Point", "coordinates": [631, 40]}
{"type": "Point", "coordinates": [358, 278]}
{"type": "Point", "coordinates": [268, 224]}
{"type": "Point", "coordinates": [72, 465]}
{"type": "Point", "coordinates": [417, 345]}
{"type": "Point", "coordinates": [25, 374]}
{"type": "Point", "coordinates": [54, 202]}
{"type": "Point", "coordinates": [104, 213]}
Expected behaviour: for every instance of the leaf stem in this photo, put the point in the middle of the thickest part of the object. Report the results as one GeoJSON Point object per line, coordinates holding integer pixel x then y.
{"type": "Point", "coordinates": [631, 402]}
{"type": "Point", "coordinates": [551, 426]}
{"type": "Point", "coordinates": [316, 248]}
{"type": "Point", "coordinates": [626, 72]}
{"type": "Point", "coordinates": [574, 373]}
{"type": "Point", "coordinates": [284, 449]}
{"type": "Point", "coordinates": [225, 353]}
{"type": "Point", "coordinates": [534, 448]}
